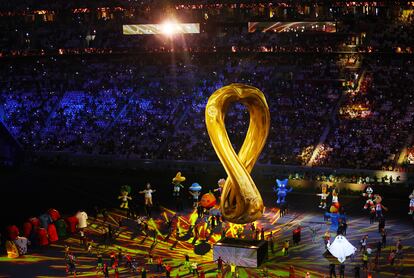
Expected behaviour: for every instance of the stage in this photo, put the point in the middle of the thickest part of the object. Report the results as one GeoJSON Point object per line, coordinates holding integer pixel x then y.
{"type": "Point", "coordinates": [308, 256]}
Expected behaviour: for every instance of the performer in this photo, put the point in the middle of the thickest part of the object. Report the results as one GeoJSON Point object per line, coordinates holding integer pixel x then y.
{"type": "Point", "coordinates": [411, 211]}
{"type": "Point", "coordinates": [378, 206]}
{"type": "Point", "coordinates": [148, 194]}
{"type": "Point", "coordinates": [51, 231]}
{"type": "Point", "coordinates": [324, 194]}
{"type": "Point", "coordinates": [11, 248]}
{"type": "Point", "coordinates": [82, 219]}
{"type": "Point", "coordinates": [45, 220]}
{"type": "Point", "coordinates": [281, 190]}
{"type": "Point", "coordinates": [42, 237]}
{"type": "Point", "coordinates": [327, 237]}
{"type": "Point", "coordinates": [71, 264]}
{"type": "Point", "coordinates": [334, 216]}
{"type": "Point", "coordinates": [195, 191]}
{"type": "Point", "coordinates": [341, 248]}
{"type": "Point", "coordinates": [72, 222]}
{"type": "Point", "coordinates": [369, 204]}
{"type": "Point", "coordinates": [177, 186]}
{"type": "Point", "coordinates": [369, 194]}
{"type": "Point", "coordinates": [54, 214]}
{"type": "Point", "coordinates": [99, 263]}
{"type": "Point", "coordinates": [21, 244]}
{"type": "Point", "coordinates": [314, 230]}
{"type": "Point", "coordinates": [12, 232]}
{"type": "Point", "coordinates": [335, 201]}
{"type": "Point", "coordinates": [219, 189]}
{"type": "Point", "coordinates": [125, 191]}
{"type": "Point", "coordinates": [296, 235]}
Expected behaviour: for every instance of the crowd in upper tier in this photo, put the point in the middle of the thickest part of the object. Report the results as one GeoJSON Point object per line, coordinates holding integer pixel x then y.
{"type": "Point", "coordinates": [153, 108]}
{"type": "Point", "coordinates": [97, 29]}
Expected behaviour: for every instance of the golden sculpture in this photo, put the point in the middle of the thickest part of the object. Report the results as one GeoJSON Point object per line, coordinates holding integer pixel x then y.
{"type": "Point", "coordinates": [240, 200]}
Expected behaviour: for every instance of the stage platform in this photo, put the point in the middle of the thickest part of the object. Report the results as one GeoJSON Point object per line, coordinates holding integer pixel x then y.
{"type": "Point", "coordinates": [241, 252]}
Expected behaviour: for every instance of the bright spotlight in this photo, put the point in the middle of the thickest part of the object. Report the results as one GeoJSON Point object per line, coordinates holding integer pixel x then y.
{"type": "Point", "coordinates": [169, 28]}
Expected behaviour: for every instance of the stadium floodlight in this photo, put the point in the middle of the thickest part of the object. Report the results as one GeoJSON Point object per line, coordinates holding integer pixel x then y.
{"type": "Point", "coordinates": [169, 28]}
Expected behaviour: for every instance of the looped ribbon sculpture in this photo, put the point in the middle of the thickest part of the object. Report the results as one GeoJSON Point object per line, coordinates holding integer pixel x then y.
{"type": "Point", "coordinates": [240, 200]}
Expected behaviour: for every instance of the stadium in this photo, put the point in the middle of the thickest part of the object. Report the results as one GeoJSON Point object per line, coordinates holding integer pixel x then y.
{"type": "Point", "coordinates": [205, 138]}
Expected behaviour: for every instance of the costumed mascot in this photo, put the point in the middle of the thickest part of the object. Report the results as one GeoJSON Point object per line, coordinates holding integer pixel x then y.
{"type": "Point", "coordinates": [281, 190]}
{"type": "Point", "coordinates": [125, 191]}
{"type": "Point", "coordinates": [324, 195]}
{"type": "Point", "coordinates": [219, 189]}
{"type": "Point", "coordinates": [341, 248]}
{"type": "Point", "coordinates": [378, 206]}
{"type": "Point", "coordinates": [335, 202]}
{"type": "Point", "coordinates": [148, 198]}
{"type": "Point", "coordinates": [11, 248]}
{"type": "Point", "coordinates": [208, 201]}
{"type": "Point", "coordinates": [148, 194]}
{"type": "Point", "coordinates": [333, 213]}
{"type": "Point", "coordinates": [195, 191]}
{"type": "Point", "coordinates": [369, 194]}
{"type": "Point", "coordinates": [411, 206]}
{"type": "Point", "coordinates": [177, 186]}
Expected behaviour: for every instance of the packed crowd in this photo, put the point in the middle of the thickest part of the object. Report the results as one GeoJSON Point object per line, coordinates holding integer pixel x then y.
{"type": "Point", "coordinates": [139, 109]}
{"type": "Point", "coordinates": [375, 141]}
{"type": "Point", "coordinates": [143, 110]}
{"type": "Point", "coordinates": [395, 35]}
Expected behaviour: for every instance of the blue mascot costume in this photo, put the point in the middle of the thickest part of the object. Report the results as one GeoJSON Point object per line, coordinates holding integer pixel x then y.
{"type": "Point", "coordinates": [281, 190]}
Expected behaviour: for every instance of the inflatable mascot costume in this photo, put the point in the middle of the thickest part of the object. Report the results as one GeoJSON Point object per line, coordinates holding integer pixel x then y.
{"type": "Point", "coordinates": [341, 248]}
{"type": "Point", "coordinates": [369, 194]}
{"type": "Point", "coordinates": [335, 201]}
{"type": "Point", "coordinates": [177, 186]}
{"type": "Point", "coordinates": [324, 195]}
{"type": "Point", "coordinates": [378, 206]}
{"type": "Point", "coordinates": [333, 213]}
{"type": "Point", "coordinates": [148, 194]}
{"type": "Point", "coordinates": [281, 190]}
{"type": "Point", "coordinates": [176, 181]}
{"type": "Point", "coordinates": [195, 191]}
{"type": "Point", "coordinates": [219, 189]}
{"type": "Point", "coordinates": [125, 191]}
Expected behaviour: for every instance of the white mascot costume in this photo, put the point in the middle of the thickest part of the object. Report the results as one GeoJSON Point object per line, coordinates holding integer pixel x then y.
{"type": "Point", "coordinates": [341, 248]}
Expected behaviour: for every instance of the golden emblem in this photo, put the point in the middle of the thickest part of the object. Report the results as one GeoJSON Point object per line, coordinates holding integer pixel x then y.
{"type": "Point", "coordinates": [240, 200]}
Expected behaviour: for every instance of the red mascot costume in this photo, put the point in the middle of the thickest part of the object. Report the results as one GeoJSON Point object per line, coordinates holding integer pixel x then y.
{"type": "Point", "coordinates": [42, 237]}
{"type": "Point", "coordinates": [12, 232]}
{"type": "Point", "coordinates": [51, 230]}
{"type": "Point", "coordinates": [72, 222]}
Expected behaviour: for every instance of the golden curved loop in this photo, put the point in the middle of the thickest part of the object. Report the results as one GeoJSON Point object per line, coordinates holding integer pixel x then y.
{"type": "Point", "coordinates": [240, 200]}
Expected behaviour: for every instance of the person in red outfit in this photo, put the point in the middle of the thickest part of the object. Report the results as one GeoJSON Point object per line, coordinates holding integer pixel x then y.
{"type": "Point", "coordinates": [51, 230]}
{"type": "Point", "coordinates": [42, 237]}
{"type": "Point", "coordinates": [72, 222]}
{"type": "Point", "coordinates": [168, 269]}
{"type": "Point", "coordinates": [291, 272]}
{"type": "Point", "coordinates": [296, 235]}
